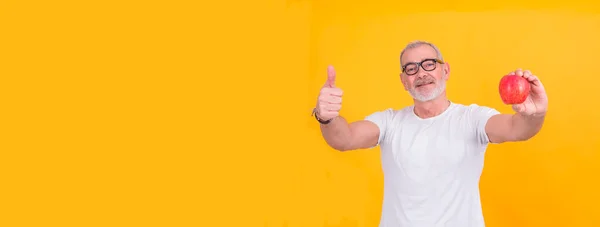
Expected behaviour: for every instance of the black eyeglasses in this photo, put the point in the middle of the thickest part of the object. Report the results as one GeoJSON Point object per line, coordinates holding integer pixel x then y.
{"type": "Point", "coordinates": [427, 65]}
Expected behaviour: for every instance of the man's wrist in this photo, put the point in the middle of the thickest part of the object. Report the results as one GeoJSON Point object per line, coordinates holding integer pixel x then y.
{"type": "Point", "coordinates": [319, 119]}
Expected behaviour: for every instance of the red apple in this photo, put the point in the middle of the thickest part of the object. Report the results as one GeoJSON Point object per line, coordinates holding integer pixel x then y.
{"type": "Point", "coordinates": [514, 89]}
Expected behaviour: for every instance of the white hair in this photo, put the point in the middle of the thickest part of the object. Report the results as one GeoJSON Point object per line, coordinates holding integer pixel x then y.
{"type": "Point", "coordinates": [418, 43]}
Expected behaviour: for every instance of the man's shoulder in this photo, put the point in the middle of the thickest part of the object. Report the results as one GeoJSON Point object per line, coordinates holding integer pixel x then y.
{"type": "Point", "coordinates": [472, 107]}
{"type": "Point", "coordinates": [474, 110]}
{"type": "Point", "coordinates": [389, 113]}
{"type": "Point", "coordinates": [393, 111]}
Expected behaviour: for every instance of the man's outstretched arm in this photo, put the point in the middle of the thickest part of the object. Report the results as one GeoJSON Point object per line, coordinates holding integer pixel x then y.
{"type": "Point", "coordinates": [338, 133]}
{"type": "Point", "coordinates": [343, 136]}
{"type": "Point", "coordinates": [528, 119]}
{"type": "Point", "coordinates": [513, 127]}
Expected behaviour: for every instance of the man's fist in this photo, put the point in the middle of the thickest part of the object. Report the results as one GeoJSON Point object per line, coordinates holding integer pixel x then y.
{"type": "Point", "coordinates": [329, 103]}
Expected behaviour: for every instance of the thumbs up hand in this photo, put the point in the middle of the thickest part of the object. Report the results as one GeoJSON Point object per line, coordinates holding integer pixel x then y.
{"type": "Point", "coordinates": [329, 102]}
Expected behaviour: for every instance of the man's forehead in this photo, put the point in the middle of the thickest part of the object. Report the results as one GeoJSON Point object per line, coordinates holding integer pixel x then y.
{"type": "Point", "coordinates": [419, 54]}
{"type": "Point", "coordinates": [421, 58]}
{"type": "Point", "coordinates": [417, 59]}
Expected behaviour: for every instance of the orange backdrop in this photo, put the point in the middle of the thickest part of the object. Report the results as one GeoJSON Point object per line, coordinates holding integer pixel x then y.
{"type": "Point", "coordinates": [198, 114]}
{"type": "Point", "coordinates": [547, 181]}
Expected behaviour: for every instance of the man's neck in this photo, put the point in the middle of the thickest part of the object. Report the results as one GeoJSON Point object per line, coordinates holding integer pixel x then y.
{"type": "Point", "coordinates": [431, 108]}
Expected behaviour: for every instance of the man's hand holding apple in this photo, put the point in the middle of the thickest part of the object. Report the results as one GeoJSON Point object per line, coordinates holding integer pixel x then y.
{"type": "Point", "coordinates": [524, 92]}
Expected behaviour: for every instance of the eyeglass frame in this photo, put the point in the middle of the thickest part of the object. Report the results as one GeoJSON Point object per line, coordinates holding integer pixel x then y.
{"type": "Point", "coordinates": [420, 65]}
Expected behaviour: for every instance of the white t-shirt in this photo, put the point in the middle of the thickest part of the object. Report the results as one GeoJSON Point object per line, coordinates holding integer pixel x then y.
{"type": "Point", "coordinates": [432, 166]}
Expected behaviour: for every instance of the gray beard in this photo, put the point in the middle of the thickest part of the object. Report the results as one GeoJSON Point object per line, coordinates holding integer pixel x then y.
{"type": "Point", "coordinates": [439, 88]}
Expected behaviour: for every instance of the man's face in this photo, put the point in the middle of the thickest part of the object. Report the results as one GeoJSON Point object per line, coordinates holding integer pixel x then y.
{"type": "Point", "coordinates": [424, 79]}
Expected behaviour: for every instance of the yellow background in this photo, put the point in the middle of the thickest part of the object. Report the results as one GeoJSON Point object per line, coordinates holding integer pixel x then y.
{"type": "Point", "coordinates": [178, 113]}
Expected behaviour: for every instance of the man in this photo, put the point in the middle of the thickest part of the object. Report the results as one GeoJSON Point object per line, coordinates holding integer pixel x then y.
{"type": "Point", "coordinates": [433, 151]}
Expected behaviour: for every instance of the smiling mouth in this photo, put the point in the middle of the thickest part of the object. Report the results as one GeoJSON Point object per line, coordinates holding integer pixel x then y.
{"type": "Point", "coordinates": [420, 85]}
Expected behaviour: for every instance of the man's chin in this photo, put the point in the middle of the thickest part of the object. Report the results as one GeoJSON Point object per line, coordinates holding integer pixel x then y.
{"type": "Point", "coordinates": [424, 96]}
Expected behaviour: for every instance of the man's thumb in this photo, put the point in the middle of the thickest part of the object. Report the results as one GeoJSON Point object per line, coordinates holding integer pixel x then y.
{"type": "Point", "coordinates": [330, 76]}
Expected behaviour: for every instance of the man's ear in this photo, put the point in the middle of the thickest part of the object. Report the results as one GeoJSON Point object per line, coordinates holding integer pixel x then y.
{"type": "Point", "coordinates": [446, 70]}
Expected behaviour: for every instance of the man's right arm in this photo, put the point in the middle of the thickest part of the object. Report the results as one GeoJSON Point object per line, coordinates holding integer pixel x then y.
{"type": "Point", "coordinates": [344, 136]}
{"type": "Point", "coordinates": [338, 133]}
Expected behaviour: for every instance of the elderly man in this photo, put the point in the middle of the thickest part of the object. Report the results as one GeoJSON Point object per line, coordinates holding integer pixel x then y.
{"type": "Point", "coordinates": [432, 151]}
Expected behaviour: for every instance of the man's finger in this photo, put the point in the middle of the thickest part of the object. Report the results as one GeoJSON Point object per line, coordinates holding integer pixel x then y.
{"type": "Point", "coordinates": [335, 92]}
{"type": "Point", "coordinates": [519, 107]}
{"type": "Point", "coordinates": [519, 72]}
{"type": "Point", "coordinates": [527, 74]}
{"type": "Point", "coordinates": [330, 76]}
{"type": "Point", "coordinates": [334, 107]}
{"type": "Point", "coordinates": [334, 100]}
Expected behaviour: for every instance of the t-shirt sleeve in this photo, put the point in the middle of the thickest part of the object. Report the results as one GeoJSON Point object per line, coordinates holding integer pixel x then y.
{"type": "Point", "coordinates": [381, 119]}
{"type": "Point", "coordinates": [479, 118]}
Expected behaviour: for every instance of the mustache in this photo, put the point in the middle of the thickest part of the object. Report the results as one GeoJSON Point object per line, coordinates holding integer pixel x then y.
{"type": "Point", "coordinates": [424, 80]}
